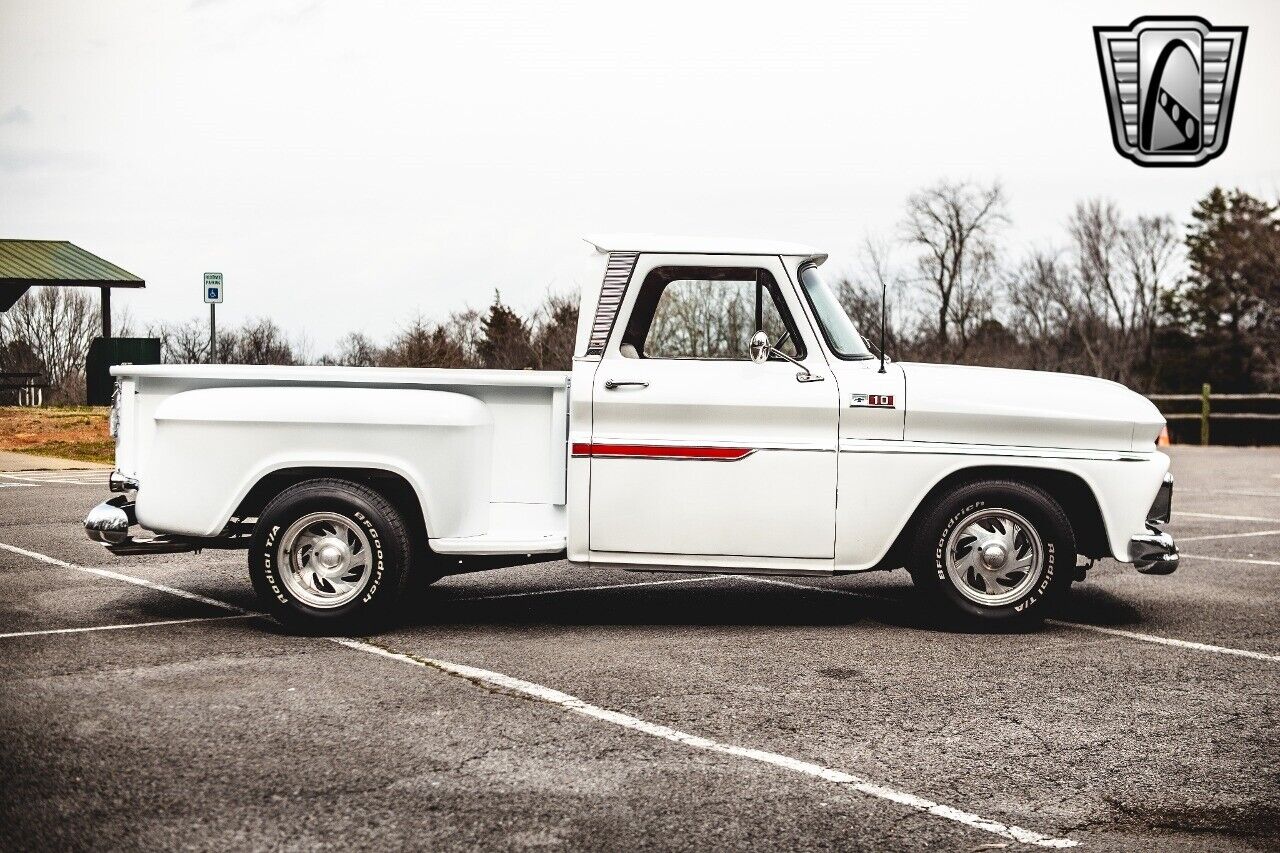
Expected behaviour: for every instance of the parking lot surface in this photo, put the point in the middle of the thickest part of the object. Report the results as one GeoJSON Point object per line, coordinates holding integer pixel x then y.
{"type": "Point", "coordinates": [143, 705]}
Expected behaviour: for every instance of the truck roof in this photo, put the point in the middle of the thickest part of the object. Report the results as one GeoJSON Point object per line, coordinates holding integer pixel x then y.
{"type": "Point", "coordinates": [682, 245]}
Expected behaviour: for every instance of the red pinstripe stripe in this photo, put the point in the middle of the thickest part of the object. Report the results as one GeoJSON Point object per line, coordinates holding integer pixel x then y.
{"type": "Point", "coordinates": [660, 451]}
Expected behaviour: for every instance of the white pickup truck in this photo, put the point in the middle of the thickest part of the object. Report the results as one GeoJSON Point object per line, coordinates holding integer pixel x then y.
{"type": "Point", "coordinates": [722, 415]}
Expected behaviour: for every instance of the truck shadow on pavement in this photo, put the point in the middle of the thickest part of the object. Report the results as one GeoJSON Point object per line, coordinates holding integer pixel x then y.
{"type": "Point", "coordinates": [722, 601]}
{"type": "Point", "coordinates": [1093, 605]}
{"type": "Point", "coordinates": [720, 604]}
{"type": "Point", "coordinates": [735, 604]}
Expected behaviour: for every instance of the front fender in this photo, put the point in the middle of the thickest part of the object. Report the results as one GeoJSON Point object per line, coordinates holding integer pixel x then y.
{"type": "Point", "coordinates": [212, 445]}
{"type": "Point", "coordinates": [881, 488]}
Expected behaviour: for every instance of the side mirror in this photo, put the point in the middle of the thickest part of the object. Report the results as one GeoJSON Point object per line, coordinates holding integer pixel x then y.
{"type": "Point", "coordinates": [760, 347]}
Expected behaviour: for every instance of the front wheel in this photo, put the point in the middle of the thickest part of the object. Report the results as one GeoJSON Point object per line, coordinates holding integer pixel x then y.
{"type": "Point", "coordinates": [995, 552]}
{"type": "Point", "coordinates": [330, 555]}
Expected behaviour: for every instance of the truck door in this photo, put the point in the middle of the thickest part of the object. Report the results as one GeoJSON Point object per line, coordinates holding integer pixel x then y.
{"type": "Point", "coordinates": [695, 449]}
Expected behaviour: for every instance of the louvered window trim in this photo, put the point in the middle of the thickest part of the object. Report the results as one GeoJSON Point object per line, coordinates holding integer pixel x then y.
{"type": "Point", "coordinates": [616, 276]}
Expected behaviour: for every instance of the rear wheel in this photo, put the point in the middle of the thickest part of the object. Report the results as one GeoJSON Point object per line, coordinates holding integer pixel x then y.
{"type": "Point", "coordinates": [995, 552]}
{"type": "Point", "coordinates": [330, 555]}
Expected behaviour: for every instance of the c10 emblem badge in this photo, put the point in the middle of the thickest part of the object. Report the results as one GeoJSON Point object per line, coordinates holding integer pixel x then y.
{"type": "Point", "coordinates": [871, 401]}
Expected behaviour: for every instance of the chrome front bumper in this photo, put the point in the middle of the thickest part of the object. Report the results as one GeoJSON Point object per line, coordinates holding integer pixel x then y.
{"type": "Point", "coordinates": [1154, 552]}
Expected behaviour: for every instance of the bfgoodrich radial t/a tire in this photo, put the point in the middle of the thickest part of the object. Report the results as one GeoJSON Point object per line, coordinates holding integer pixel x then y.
{"type": "Point", "coordinates": [995, 552]}
{"type": "Point", "coordinates": [330, 556]}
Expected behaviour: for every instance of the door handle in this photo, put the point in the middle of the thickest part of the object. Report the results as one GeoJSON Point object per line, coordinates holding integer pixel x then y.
{"type": "Point", "coordinates": [611, 384]}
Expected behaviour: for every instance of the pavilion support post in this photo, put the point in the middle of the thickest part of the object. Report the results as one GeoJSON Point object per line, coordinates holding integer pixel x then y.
{"type": "Point", "coordinates": [106, 312]}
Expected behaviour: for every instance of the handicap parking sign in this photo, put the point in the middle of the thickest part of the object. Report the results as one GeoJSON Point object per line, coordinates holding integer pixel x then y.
{"type": "Point", "coordinates": [213, 287]}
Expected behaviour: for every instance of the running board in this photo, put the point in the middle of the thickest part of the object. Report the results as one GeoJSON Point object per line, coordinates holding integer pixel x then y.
{"type": "Point", "coordinates": [498, 545]}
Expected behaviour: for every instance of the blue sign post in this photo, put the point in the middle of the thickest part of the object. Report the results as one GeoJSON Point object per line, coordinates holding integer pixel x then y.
{"type": "Point", "coordinates": [213, 295]}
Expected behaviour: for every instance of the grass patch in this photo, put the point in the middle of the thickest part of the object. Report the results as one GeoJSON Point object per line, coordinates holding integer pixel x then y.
{"type": "Point", "coordinates": [81, 451]}
{"type": "Point", "coordinates": [66, 432]}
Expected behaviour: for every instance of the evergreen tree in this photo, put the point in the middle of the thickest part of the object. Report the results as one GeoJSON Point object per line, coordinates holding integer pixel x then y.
{"type": "Point", "coordinates": [506, 342]}
{"type": "Point", "coordinates": [1231, 299]}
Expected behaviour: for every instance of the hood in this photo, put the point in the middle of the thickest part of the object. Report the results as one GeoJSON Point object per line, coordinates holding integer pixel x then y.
{"type": "Point", "coordinates": [1026, 408]}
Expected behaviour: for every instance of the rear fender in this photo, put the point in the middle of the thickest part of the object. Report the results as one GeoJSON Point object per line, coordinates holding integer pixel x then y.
{"type": "Point", "coordinates": [212, 446]}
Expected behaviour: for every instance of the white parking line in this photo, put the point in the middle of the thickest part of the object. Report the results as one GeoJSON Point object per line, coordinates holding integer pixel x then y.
{"type": "Point", "coordinates": [582, 589]}
{"type": "Point", "coordinates": [107, 573]}
{"type": "Point", "coordinates": [1166, 641]}
{"type": "Point", "coordinates": [130, 625]}
{"type": "Point", "coordinates": [1230, 492]}
{"type": "Point", "coordinates": [66, 478]}
{"type": "Point", "coordinates": [1229, 517]}
{"type": "Point", "coordinates": [805, 586]}
{"type": "Point", "coordinates": [786, 762]}
{"type": "Point", "coordinates": [1133, 635]}
{"type": "Point", "coordinates": [1233, 560]}
{"type": "Point", "coordinates": [1228, 536]}
{"type": "Point", "coordinates": [578, 706]}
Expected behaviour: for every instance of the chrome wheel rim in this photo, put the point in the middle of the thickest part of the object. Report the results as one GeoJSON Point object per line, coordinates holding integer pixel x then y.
{"type": "Point", "coordinates": [994, 557]}
{"type": "Point", "coordinates": [324, 560]}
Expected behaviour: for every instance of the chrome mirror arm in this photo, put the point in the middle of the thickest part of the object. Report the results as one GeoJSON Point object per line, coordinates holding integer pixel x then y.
{"type": "Point", "coordinates": [806, 375]}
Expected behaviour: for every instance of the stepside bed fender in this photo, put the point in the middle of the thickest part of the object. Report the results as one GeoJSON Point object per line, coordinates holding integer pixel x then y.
{"type": "Point", "coordinates": [213, 445]}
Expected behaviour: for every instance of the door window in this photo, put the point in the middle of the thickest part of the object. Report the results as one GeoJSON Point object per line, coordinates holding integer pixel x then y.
{"type": "Point", "coordinates": [707, 313]}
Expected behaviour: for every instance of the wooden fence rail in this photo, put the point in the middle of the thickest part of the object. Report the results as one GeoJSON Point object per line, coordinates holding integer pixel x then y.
{"type": "Point", "coordinates": [1206, 413]}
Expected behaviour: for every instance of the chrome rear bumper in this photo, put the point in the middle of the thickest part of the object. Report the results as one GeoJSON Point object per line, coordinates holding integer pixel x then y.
{"type": "Point", "coordinates": [118, 482]}
{"type": "Point", "coordinates": [109, 523]}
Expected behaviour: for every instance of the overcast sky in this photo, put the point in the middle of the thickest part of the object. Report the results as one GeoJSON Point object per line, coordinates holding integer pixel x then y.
{"type": "Point", "coordinates": [350, 164]}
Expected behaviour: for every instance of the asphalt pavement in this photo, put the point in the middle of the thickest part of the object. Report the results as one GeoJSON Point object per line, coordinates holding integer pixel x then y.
{"type": "Point", "coordinates": [144, 706]}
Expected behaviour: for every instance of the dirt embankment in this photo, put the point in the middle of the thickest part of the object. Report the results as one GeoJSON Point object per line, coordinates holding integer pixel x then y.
{"type": "Point", "coordinates": [69, 432]}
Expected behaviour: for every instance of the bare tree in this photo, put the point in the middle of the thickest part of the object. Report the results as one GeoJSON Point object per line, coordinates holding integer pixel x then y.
{"type": "Point", "coordinates": [701, 319]}
{"type": "Point", "coordinates": [227, 348]}
{"type": "Point", "coordinates": [58, 324]}
{"type": "Point", "coordinates": [1150, 249]}
{"type": "Point", "coordinates": [182, 343]}
{"type": "Point", "coordinates": [973, 305]}
{"type": "Point", "coordinates": [954, 226]}
{"type": "Point", "coordinates": [555, 329]}
{"type": "Point", "coordinates": [355, 349]}
{"type": "Point", "coordinates": [466, 330]}
{"type": "Point", "coordinates": [1121, 269]}
{"type": "Point", "coordinates": [860, 296]}
{"type": "Point", "coordinates": [260, 341]}
{"type": "Point", "coordinates": [1041, 296]}
{"type": "Point", "coordinates": [1097, 311]}
{"type": "Point", "coordinates": [1097, 233]}
{"type": "Point", "coordinates": [421, 344]}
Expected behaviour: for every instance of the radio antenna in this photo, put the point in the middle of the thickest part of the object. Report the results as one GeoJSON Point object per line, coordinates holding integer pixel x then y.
{"type": "Point", "coordinates": [884, 289]}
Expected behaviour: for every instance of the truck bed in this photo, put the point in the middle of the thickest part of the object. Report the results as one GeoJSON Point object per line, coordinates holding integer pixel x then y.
{"type": "Point", "coordinates": [526, 481]}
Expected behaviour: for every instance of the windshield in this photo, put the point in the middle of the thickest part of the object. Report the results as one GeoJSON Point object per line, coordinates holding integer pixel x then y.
{"type": "Point", "coordinates": [842, 336]}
